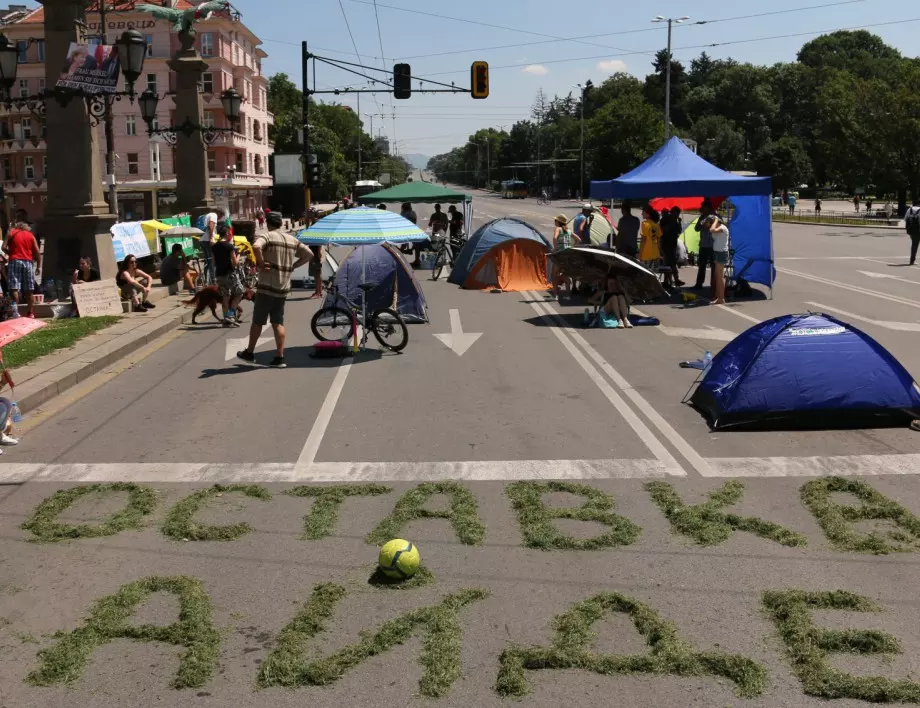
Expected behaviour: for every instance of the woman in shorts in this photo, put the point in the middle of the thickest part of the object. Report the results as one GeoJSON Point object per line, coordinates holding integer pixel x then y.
{"type": "Point", "coordinates": [720, 258]}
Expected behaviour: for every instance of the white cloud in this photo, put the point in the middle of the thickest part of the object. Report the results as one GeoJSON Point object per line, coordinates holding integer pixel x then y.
{"type": "Point", "coordinates": [611, 65]}
{"type": "Point", "coordinates": [536, 69]}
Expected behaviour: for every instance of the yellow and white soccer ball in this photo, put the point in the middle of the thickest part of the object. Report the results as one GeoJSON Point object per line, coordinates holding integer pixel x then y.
{"type": "Point", "coordinates": [399, 559]}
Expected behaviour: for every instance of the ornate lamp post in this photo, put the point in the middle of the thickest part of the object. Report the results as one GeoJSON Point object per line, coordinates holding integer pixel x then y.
{"type": "Point", "coordinates": [230, 99]}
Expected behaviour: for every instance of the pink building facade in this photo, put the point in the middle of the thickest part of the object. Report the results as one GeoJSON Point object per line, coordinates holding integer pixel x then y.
{"type": "Point", "coordinates": [237, 162]}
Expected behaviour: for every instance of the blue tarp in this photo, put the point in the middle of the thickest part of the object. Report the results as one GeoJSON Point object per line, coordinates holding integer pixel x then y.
{"type": "Point", "coordinates": [386, 269]}
{"type": "Point", "coordinates": [487, 236]}
{"type": "Point", "coordinates": [676, 171]}
{"type": "Point", "coordinates": [805, 369]}
{"type": "Point", "coordinates": [752, 239]}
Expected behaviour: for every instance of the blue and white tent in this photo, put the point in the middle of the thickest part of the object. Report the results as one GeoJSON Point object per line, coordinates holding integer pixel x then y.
{"type": "Point", "coordinates": [807, 370]}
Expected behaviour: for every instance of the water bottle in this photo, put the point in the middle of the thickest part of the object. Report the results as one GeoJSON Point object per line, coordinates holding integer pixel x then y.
{"type": "Point", "coordinates": [707, 361]}
{"type": "Point", "coordinates": [15, 413]}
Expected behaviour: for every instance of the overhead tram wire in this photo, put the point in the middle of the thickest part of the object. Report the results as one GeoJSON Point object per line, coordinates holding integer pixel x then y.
{"type": "Point", "coordinates": [383, 54]}
{"type": "Point", "coordinates": [354, 45]}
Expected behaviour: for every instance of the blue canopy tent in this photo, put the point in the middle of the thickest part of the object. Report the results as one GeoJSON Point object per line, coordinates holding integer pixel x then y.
{"type": "Point", "coordinates": [676, 171]}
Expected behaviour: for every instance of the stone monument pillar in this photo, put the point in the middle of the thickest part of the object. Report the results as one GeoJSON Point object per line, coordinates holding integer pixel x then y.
{"type": "Point", "coordinates": [77, 218]}
{"type": "Point", "coordinates": [193, 190]}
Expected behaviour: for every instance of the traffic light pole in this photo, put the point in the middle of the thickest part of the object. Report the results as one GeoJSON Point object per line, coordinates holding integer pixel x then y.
{"type": "Point", "coordinates": [305, 146]}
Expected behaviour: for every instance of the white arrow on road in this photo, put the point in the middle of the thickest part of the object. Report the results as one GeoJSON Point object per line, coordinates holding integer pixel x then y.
{"type": "Point", "coordinates": [897, 326]}
{"type": "Point", "coordinates": [458, 340]}
{"type": "Point", "coordinates": [235, 345]}
{"type": "Point", "coordinates": [713, 333]}
{"type": "Point", "coordinates": [870, 274]}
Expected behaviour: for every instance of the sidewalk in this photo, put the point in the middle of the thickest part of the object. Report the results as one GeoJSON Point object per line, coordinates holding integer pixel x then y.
{"type": "Point", "coordinates": [53, 374]}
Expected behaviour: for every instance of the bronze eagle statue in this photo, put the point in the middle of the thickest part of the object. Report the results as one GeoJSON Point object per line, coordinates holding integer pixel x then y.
{"type": "Point", "coordinates": [184, 19]}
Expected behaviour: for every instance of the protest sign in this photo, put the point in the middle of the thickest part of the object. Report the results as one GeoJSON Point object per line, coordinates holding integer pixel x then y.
{"type": "Point", "coordinates": [98, 298]}
{"type": "Point", "coordinates": [92, 68]}
{"type": "Point", "coordinates": [129, 238]}
{"type": "Point", "coordinates": [187, 243]}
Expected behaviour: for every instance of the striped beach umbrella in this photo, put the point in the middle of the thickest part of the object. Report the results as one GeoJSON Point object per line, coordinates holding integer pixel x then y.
{"type": "Point", "coordinates": [361, 226]}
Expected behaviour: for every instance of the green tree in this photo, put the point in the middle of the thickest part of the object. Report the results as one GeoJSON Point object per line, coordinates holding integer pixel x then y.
{"type": "Point", "coordinates": [786, 161]}
{"type": "Point", "coordinates": [720, 142]}
{"type": "Point", "coordinates": [622, 134]}
{"type": "Point", "coordinates": [285, 101]}
{"type": "Point", "coordinates": [680, 85]}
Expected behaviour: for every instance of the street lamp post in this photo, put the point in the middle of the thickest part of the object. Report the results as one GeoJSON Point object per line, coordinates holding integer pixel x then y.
{"type": "Point", "coordinates": [667, 82]}
{"type": "Point", "coordinates": [581, 182]}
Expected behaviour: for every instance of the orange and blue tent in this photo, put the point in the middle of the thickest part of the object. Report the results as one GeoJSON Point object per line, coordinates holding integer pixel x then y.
{"type": "Point", "coordinates": [504, 254]}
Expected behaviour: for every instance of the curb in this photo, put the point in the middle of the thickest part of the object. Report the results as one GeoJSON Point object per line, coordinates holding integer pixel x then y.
{"type": "Point", "coordinates": [840, 226]}
{"type": "Point", "coordinates": [78, 374]}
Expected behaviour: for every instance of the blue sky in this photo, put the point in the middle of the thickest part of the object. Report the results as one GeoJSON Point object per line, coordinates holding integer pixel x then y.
{"type": "Point", "coordinates": [435, 123]}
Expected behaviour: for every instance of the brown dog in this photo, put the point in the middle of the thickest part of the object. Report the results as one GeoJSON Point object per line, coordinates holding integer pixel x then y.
{"type": "Point", "coordinates": [209, 297]}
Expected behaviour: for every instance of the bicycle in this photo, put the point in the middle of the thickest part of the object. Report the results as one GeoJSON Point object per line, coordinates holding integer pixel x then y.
{"type": "Point", "coordinates": [446, 252]}
{"type": "Point", "coordinates": [336, 324]}
{"type": "Point", "coordinates": [542, 199]}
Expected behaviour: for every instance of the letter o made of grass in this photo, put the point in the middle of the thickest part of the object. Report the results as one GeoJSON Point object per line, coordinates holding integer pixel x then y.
{"type": "Point", "coordinates": [42, 523]}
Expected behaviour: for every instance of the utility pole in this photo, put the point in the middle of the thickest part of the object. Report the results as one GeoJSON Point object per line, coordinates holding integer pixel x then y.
{"type": "Point", "coordinates": [581, 182]}
{"type": "Point", "coordinates": [109, 128]}
{"type": "Point", "coordinates": [305, 145]}
{"type": "Point", "coordinates": [667, 81]}
{"type": "Point", "coordinates": [360, 132]}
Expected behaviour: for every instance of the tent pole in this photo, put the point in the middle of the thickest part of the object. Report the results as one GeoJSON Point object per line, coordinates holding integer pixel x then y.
{"type": "Point", "coordinates": [772, 255]}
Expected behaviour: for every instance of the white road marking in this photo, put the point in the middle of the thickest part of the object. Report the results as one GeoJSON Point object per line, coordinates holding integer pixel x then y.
{"type": "Point", "coordinates": [660, 452]}
{"type": "Point", "coordinates": [886, 276]}
{"type": "Point", "coordinates": [844, 465]}
{"type": "Point", "coordinates": [235, 345]}
{"type": "Point", "coordinates": [713, 333]}
{"type": "Point", "coordinates": [315, 438]}
{"type": "Point", "coordinates": [898, 326]}
{"type": "Point", "coordinates": [665, 428]}
{"type": "Point", "coordinates": [834, 258]}
{"type": "Point", "coordinates": [850, 288]}
{"type": "Point", "coordinates": [458, 340]}
{"type": "Point", "coordinates": [738, 313]}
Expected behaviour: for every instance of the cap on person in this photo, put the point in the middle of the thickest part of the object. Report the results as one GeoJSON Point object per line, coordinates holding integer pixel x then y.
{"type": "Point", "coordinates": [274, 219]}
{"type": "Point", "coordinates": [587, 207]}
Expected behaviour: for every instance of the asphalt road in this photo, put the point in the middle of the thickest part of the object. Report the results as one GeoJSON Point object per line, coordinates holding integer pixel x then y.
{"type": "Point", "coordinates": [534, 397]}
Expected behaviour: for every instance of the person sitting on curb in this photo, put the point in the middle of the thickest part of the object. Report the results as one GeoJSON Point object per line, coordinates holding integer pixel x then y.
{"type": "Point", "coordinates": [129, 283]}
{"type": "Point", "coordinates": [174, 268]}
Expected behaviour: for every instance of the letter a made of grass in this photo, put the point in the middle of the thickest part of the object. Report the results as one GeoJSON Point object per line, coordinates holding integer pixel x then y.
{"type": "Point", "coordinates": [463, 513]}
{"type": "Point", "coordinates": [141, 501]}
{"type": "Point", "coordinates": [324, 513]}
{"type": "Point", "coordinates": [536, 519]}
{"type": "Point", "coordinates": [442, 636]}
{"type": "Point", "coordinates": [668, 654]}
{"type": "Point", "coordinates": [837, 520]}
{"type": "Point", "coordinates": [808, 647]}
{"type": "Point", "coordinates": [708, 524]}
{"type": "Point", "coordinates": [108, 619]}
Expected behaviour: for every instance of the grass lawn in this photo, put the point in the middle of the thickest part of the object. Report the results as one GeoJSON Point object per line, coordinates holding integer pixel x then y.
{"type": "Point", "coordinates": [830, 220]}
{"type": "Point", "coordinates": [58, 334]}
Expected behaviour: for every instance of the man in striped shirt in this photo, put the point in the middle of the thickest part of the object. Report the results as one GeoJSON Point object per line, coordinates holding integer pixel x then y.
{"type": "Point", "coordinates": [277, 256]}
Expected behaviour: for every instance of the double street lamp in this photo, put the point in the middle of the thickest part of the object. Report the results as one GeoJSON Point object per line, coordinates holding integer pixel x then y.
{"type": "Point", "coordinates": [667, 89]}
{"type": "Point", "coordinates": [230, 99]}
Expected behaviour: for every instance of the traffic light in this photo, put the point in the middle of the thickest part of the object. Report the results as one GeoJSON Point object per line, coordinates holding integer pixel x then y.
{"type": "Point", "coordinates": [479, 79]}
{"type": "Point", "coordinates": [402, 81]}
{"type": "Point", "coordinates": [314, 174]}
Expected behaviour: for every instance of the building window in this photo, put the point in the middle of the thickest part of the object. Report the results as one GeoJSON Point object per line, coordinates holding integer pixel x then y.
{"type": "Point", "coordinates": [130, 125]}
{"type": "Point", "coordinates": [29, 167]}
{"type": "Point", "coordinates": [26, 127]}
{"type": "Point", "coordinates": [40, 48]}
{"type": "Point", "coordinates": [22, 51]}
{"type": "Point", "coordinates": [258, 164]}
{"type": "Point", "coordinates": [207, 44]}
{"type": "Point", "coordinates": [23, 88]}
{"type": "Point", "coordinates": [236, 55]}
{"type": "Point", "coordinates": [44, 165]}
{"type": "Point", "coordinates": [207, 119]}
{"type": "Point", "coordinates": [133, 167]}
{"type": "Point", "coordinates": [5, 164]}
{"type": "Point", "coordinates": [239, 162]}
{"type": "Point", "coordinates": [41, 85]}
{"type": "Point", "coordinates": [256, 131]}
{"type": "Point", "coordinates": [149, 39]}
{"type": "Point", "coordinates": [212, 162]}
{"type": "Point", "coordinates": [155, 123]}
{"type": "Point", "coordinates": [43, 125]}
{"type": "Point", "coordinates": [152, 82]}
{"type": "Point", "coordinates": [207, 82]}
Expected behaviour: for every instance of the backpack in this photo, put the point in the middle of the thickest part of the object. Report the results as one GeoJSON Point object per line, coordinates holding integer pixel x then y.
{"type": "Point", "coordinates": [912, 221]}
{"type": "Point", "coordinates": [202, 222]}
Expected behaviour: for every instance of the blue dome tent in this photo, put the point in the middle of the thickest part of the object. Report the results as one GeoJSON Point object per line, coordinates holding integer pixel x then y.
{"type": "Point", "coordinates": [808, 370]}
{"type": "Point", "coordinates": [506, 254]}
{"type": "Point", "coordinates": [394, 283]}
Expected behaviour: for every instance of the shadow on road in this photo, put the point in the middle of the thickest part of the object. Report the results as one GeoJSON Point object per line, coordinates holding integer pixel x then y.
{"type": "Point", "coordinates": [300, 357]}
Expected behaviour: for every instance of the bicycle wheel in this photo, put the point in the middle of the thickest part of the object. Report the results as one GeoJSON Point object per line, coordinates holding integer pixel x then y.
{"type": "Point", "coordinates": [439, 259]}
{"type": "Point", "coordinates": [390, 330]}
{"type": "Point", "coordinates": [332, 324]}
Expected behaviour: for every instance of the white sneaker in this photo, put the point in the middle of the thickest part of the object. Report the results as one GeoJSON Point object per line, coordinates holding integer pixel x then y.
{"type": "Point", "coordinates": [7, 440]}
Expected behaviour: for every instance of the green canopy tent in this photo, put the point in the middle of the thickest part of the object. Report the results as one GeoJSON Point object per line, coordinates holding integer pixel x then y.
{"type": "Point", "coordinates": [421, 193]}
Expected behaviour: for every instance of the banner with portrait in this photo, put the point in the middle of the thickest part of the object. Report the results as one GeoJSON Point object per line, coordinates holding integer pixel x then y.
{"type": "Point", "coordinates": [92, 68]}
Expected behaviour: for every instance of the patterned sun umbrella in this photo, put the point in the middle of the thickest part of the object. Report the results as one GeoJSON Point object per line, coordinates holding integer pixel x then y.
{"type": "Point", "coordinates": [361, 226]}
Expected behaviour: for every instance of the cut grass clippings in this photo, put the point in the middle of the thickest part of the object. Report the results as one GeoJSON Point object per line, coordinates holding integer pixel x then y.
{"type": "Point", "coordinates": [708, 525]}
{"type": "Point", "coordinates": [536, 519]}
{"type": "Point", "coordinates": [381, 580]}
{"type": "Point", "coordinates": [463, 513]}
{"type": "Point", "coordinates": [324, 514]}
{"type": "Point", "coordinates": [180, 526]}
{"type": "Point", "coordinates": [54, 336]}
{"type": "Point", "coordinates": [441, 643]}
{"type": "Point", "coordinates": [141, 501]}
{"type": "Point", "coordinates": [108, 619]}
{"type": "Point", "coordinates": [808, 647]}
{"type": "Point", "coordinates": [836, 519]}
{"type": "Point", "coordinates": [668, 653]}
